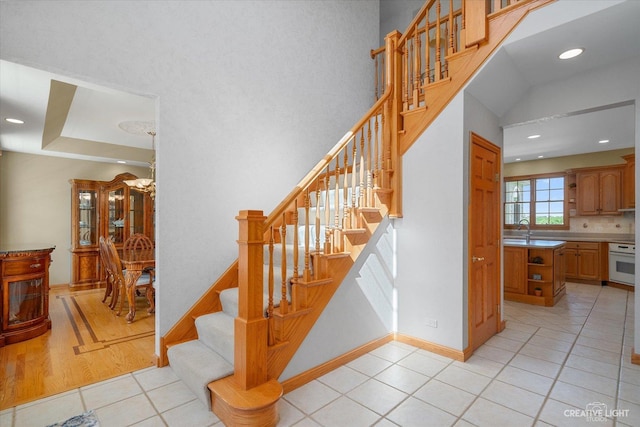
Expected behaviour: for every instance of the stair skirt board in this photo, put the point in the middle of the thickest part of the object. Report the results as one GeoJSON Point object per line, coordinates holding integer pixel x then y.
{"type": "Point", "coordinates": [197, 365]}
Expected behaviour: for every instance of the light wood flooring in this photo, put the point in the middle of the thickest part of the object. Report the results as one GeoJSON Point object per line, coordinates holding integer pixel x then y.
{"type": "Point", "coordinates": [87, 343]}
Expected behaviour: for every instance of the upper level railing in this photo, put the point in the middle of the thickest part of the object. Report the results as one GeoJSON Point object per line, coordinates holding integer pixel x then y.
{"type": "Point", "coordinates": [437, 32]}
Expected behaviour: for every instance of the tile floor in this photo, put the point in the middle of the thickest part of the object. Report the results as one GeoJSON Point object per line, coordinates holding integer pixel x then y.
{"type": "Point", "coordinates": [547, 366]}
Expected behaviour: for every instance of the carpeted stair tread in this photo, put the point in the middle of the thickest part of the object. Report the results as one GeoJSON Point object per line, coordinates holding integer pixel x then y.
{"type": "Point", "coordinates": [215, 330]}
{"type": "Point", "coordinates": [197, 365]}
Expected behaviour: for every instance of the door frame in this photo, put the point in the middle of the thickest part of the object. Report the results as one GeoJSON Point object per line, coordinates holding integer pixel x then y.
{"type": "Point", "coordinates": [476, 139]}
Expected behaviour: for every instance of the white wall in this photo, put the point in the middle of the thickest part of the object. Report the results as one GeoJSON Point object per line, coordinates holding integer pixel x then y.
{"type": "Point", "coordinates": [431, 253]}
{"type": "Point", "coordinates": [397, 15]}
{"type": "Point", "coordinates": [251, 95]}
{"type": "Point", "coordinates": [357, 314]}
{"type": "Point", "coordinates": [35, 201]}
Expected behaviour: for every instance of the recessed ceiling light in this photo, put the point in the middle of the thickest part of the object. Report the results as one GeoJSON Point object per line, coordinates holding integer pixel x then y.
{"type": "Point", "coordinates": [603, 141]}
{"type": "Point", "coordinates": [571, 53]}
{"type": "Point", "coordinates": [533, 136]}
{"type": "Point", "coordinates": [517, 160]}
{"type": "Point", "coordinates": [16, 121]}
{"type": "Point", "coordinates": [540, 157]}
{"type": "Point", "coordinates": [122, 162]}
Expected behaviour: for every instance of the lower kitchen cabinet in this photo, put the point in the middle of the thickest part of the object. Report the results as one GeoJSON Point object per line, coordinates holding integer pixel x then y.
{"type": "Point", "coordinates": [585, 262]}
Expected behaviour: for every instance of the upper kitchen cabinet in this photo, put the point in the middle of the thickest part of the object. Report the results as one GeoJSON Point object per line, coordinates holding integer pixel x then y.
{"type": "Point", "coordinates": [629, 182]}
{"type": "Point", "coordinates": [599, 191]}
{"type": "Point", "coordinates": [109, 209]}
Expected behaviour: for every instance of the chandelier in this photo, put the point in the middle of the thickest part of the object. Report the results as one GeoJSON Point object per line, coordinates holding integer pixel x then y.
{"type": "Point", "coordinates": [147, 185]}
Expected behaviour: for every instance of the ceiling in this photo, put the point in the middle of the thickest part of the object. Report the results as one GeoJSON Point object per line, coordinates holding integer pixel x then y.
{"type": "Point", "coordinates": [70, 118]}
{"type": "Point", "coordinates": [530, 58]}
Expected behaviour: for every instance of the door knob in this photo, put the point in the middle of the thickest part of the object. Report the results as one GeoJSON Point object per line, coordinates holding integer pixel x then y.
{"type": "Point", "coordinates": [475, 258]}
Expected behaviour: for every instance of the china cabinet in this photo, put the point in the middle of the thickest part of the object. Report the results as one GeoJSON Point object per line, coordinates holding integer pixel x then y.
{"type": "Point", "coordinates": [104, 208]}
{"type": "Point", "coordinates": [24, 296]}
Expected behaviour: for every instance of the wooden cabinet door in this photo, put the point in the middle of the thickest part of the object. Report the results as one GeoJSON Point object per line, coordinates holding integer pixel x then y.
{"type": "Point", "coordinates": [515, 275]}
{"type": "Point", "coordinates": [629, 182]}
{"type": "Point", "coordinates": [589, 264]}
{"type": "Point", "coordinates": [588, 189]}
{"type": "Point", "coordinates": [610, 191]}
{"type": "Point", "coordinates": [571, 262]}
{"type": "Point", "coordinates": [559, 266]}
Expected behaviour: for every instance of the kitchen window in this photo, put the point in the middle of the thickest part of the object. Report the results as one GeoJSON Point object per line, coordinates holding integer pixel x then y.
{"type": "Point", "coordinates": [538, 200]}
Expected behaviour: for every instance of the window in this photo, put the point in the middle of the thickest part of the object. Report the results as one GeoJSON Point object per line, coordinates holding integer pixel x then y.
{"type": "Point", "coordinates": [539, 201]}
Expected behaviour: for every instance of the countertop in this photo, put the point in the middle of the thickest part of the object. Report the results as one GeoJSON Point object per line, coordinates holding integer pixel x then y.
{"type": "Point", "coordinates": [15, 248]}
{"type": "Point", "coordinates": [533, 243]}
{"type": "Point", "coordinates": [573, 237]}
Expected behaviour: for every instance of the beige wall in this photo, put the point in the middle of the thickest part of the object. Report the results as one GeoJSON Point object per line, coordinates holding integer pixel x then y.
{"type": "Point", "coordinates": [557, 164]}
{"type": "Point", "coordinates": [619, 224]}
{"type": "Point", "coordinates": [35, 201]}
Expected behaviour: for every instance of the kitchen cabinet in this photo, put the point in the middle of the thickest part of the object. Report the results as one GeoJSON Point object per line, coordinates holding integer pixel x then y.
{"type": "Point", "coordinates": [515, 271]}
{"type": "Point", "coordinates": [104, 208]}
{"type": "Point", "coordinates": [24, 299]}
{"type": "Point", "coordinates": [584, 262]}
{"type": "Point", "coordinates": [599, 191]}
{"type": "Point", "coordinates": [629, 182]}
{"type": "Point", "coordinates": [537, 264]}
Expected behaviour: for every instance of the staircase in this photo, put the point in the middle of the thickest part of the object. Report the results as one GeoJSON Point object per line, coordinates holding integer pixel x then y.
{"type": "Point", "coordinates": [235, 342]}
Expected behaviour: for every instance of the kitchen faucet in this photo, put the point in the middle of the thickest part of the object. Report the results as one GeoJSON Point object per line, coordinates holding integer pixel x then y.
{"type": "Point", "coordinates": [526, 223]}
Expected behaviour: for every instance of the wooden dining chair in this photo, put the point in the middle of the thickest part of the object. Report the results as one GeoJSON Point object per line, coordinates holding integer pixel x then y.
{"type": "Point", "coordinates": [119, 283]}
{"type": "Point", "coordinates": [137, 242]}
{"type": "Point", "coordinates": [108, 268]}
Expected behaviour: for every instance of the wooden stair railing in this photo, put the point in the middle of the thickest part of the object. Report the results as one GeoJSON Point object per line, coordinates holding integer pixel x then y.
{"type": "Point", "coordinates": [324, 211]}
{"type": "Point", "coordinates": [341, 201]}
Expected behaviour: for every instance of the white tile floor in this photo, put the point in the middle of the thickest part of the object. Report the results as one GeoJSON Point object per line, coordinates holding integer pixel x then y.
{"type": "Point", "coordinates": [547, 366]}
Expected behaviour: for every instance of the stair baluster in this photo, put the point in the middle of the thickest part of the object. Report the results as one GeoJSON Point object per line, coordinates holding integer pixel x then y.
{"type": "Point", "coordinates": [284, 303]}
{"type": "Point", "coordinates": [270, 330]}
{"type": "Point", "coordinates": [295, 243]}
{"type": "Point", "coordinates": [327, 214]}
{"type": "Point", "coordinates": [307, 255]}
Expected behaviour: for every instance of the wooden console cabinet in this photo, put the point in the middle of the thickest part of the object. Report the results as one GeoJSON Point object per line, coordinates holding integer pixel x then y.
{"type": "Point", "coordinates": [104, 208]}
{"type": "Point", "coordinates": [24, 305]}
{"type": "Point", "coordinates": [535, 265]}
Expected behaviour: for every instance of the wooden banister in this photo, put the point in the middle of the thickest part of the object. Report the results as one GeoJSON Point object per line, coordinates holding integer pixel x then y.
{"type": "Point", "coordinates": [337, 149]}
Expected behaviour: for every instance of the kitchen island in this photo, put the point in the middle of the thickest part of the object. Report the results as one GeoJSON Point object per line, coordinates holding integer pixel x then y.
{"type": "Point", "coordinates": [534, 271]}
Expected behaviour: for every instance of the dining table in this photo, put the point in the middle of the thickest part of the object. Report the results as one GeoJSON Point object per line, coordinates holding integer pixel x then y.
{"type": "Point", "coordinates": [135, 262]}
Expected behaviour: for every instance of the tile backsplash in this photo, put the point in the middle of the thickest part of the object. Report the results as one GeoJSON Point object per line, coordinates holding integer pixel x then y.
{"type": "Point", "coordinates": [624, 224]}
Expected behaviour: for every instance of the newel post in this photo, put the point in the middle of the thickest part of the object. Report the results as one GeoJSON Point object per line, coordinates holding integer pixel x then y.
{"type": "Point", "coordinates": [393, 110]}
{"type": "Point", "coordinates": [250, 357]}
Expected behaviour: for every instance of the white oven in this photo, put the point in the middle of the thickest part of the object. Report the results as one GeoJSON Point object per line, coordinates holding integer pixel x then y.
{"type": "Point", "coordinates": [622, 263]}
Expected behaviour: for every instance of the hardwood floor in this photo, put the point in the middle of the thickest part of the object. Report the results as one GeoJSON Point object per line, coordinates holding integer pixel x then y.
{"type": "Point", "coordinates": [87, 343]}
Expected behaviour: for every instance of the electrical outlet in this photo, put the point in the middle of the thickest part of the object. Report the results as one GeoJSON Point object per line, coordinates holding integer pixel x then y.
{"type": "Point", "coordinates": [431, 322]}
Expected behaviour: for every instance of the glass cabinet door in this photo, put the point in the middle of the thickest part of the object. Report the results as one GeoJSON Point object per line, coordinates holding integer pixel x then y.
{"type": "Point", "coordinates": [87, 218]}
{"type": "Point", "coordinates": [116, 215]}
{"type": "Point", "coordinates": [136, 212]}
{"type": "Point", "coordinates": [26, 301]}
